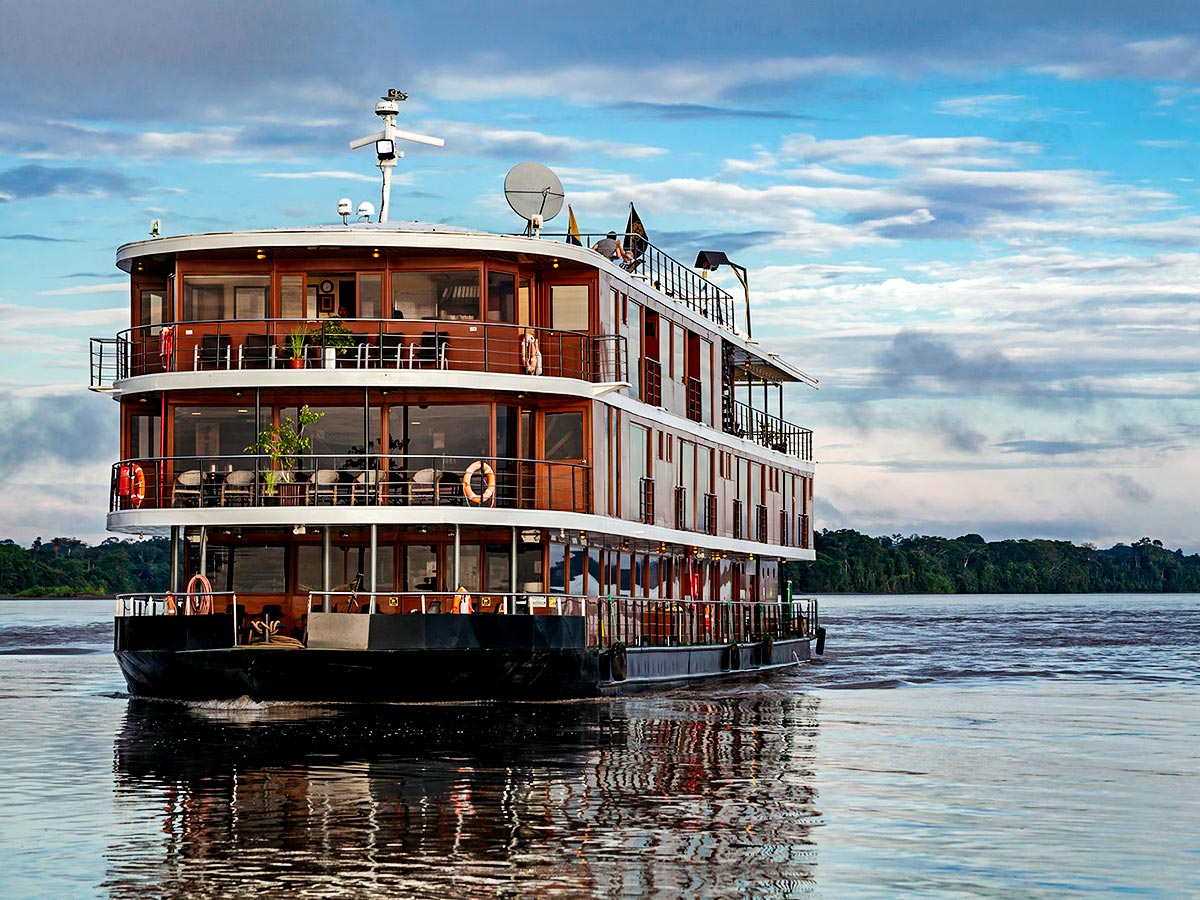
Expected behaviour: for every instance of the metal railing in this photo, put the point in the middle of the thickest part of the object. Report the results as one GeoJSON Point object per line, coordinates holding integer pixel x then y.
{"type": "Point", "coordinates": [673, 279]}
{"type": "Point", "coordinates": [635, 621]}
{"type": "Point", "coordinates": [641, 622]}
{"type": "Point", "coordinates": [768, 430]}
{"type": "Point", "coordinates": [362, 479]}
{"type": "Point", "coordinates": [246, 344]}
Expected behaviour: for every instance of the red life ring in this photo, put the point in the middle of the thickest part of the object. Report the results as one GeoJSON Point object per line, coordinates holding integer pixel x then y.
{"type": "Point", "coordinates": [531, 354]}
{"type": "Point", "coordinates": [489, 490]}
{"type": "Point", "coordinates": [199, 596]}
{"type": "Point", "coordinates": [136, 485]}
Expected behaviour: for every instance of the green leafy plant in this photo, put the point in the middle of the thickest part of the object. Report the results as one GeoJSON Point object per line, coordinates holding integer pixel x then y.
{"type": "Point", "coordinates": [296, 340]}
{"type": "Point", "coordinates": [283, 444]}
{"type": "Point", "coordinates": [333, 333]}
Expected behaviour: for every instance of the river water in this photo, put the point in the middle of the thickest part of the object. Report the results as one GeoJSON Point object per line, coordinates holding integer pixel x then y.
{"type": "Point", "coordinates": [990, 746]}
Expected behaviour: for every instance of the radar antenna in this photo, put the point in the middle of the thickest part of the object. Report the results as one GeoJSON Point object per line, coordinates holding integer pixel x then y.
{"type": "Point", "coordinates": [385, 143]}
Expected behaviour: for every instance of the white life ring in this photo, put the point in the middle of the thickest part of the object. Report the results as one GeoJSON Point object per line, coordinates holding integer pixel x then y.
{"type": "Point", "coordinates": [531, 354]}
{"type": "Point", "coordinates": [137, 485]}
{"type": "Point", "coordinates": [489, 490]}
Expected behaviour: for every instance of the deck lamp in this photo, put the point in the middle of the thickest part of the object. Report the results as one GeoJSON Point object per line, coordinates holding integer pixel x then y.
{"type": "Point", "coordinates": [711, 259]}
{"type": "Point", "coordinates": [385, 149]}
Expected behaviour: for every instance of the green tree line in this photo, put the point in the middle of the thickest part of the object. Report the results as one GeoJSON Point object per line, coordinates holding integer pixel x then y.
{"type": "Point", "coordinates": [66, 567]}
{"type": "Point", "coordinates": [850, 562]}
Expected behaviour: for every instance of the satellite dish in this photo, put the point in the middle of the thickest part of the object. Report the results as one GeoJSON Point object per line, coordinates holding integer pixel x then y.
{"type": "Point", "coordinates": [533, 190]}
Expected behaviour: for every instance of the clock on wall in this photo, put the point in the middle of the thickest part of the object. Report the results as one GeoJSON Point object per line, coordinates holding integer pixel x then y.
{"type": "Point", "coordinates": [326, 286]}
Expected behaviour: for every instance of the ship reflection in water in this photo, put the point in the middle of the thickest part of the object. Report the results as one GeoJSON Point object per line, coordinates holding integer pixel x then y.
{"type": "Point", "coordinates": [701, 795]}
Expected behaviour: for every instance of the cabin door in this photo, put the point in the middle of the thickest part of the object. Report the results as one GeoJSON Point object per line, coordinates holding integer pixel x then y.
{"type": "Point", "coordinates": [562, 481]}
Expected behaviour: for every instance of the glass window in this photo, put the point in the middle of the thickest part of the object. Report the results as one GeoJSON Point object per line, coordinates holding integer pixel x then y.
{"type": "Point", "coordinates": [626, 563]}
{"type": "Point", "coordinates": [468, 566]}
{"type": "Point", "coordinates": [529, 565]}
{"type": "Point", "coordinates": [524, 302]}
{"type": "Point", "coordinates": [501, 296]}
{"type": "Point", "coordinates": [594, 576]}
{"type": "Point", "coordinates": [247, 570]}
{"type": "Point", "coordinates": [436, 434]}
{"type": "Point", "coordinates": [569, 307]}
{"type": "Point", "coordinates": [152, 308]}
{"type": "Point", "coordinates": [635, 471]}
{"type": "Point", "coordinates": [209, 432]}
{"type": "Point", "coordinates": [338, 436]}
{"type": "Point", "coordinates": [704, 457]}
{"type": "Point", "coordinates": [652, 577]}
{"type": "Point", "coordinates": [420, 567]}
{"type": "Point", "coordinates": [370, 296]}
{"type": "Point", "coordinates": [308, 568]}
{"type": "Point", "coordinates": [578, 570]}
{"type": "Point", "coordinates": [564, 435]}
{"type": "Point", "coordinates": [706, 391]}
{"type": "Point", "coordinates": [499, 574]}
{"type": "Point", "coordinates": [558, 563]}
{"type": "Point", "coordinates": [209, 297]}
{"type": "Point", "coordinates": [435, 295]}
{"type": "Point", "coordinates": [292, 297]}
{"type": "Point", "coordinates": [143, 437]}
{"type": "Point", "coordinates": [635, 350]}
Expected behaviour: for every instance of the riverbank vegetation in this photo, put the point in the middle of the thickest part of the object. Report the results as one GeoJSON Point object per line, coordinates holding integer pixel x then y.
{"type": "Point", "coordinates": [847, 562]}
{"type": "Point", "coordinates": [66, 567]}
{"type": "Point", "coordinates": [850, 562]}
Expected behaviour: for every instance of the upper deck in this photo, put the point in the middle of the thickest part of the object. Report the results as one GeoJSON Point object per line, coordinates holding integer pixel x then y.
{"type": "Point", "coordinates": [381, 304]}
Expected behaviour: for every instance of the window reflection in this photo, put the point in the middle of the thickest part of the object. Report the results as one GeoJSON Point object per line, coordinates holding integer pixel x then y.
{"type": "Point", "coordinates": [435, 295]}
{"type": "Point", "coordinates": [212, 431]}
{"type": "Point", "coordinates": [208, 297]}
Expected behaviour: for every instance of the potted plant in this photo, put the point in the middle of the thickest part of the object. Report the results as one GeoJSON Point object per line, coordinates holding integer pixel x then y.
{"type": "Point", "coordinates": [295, 343]}
{"type": "Point", "coordinates": [283, 444]}
{"type": "Point", "coordinates": [333, 335]}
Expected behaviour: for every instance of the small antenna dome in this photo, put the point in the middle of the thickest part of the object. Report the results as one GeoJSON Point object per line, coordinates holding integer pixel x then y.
{"type": "Point", "coordinates": [366, 209]}
{"type": "Point", "coordinates": [345, 206]}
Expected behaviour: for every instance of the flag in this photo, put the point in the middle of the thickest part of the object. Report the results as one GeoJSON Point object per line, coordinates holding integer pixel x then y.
{"type": "Point", "coordinates": [572, 228]}
{"type": "Point", "coordinates": [636, 233]}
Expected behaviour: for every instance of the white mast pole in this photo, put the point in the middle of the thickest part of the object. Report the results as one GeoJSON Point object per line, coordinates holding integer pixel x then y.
{"type": "Point", "coordinates": [385, 144]}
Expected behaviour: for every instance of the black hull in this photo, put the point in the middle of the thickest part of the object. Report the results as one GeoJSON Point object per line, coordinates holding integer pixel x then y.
{"type": "Point", "coordinates": [428, 675]}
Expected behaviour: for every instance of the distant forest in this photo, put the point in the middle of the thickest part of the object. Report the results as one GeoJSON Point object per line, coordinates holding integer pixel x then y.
{"type": "Point", "coordinates": [847, 562]}
{"type": "Point", "coordinates": [66, 567]}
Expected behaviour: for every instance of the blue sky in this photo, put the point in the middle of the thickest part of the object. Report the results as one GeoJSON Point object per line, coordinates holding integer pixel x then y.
{"type": "Point", "coordinates": [978, 224]}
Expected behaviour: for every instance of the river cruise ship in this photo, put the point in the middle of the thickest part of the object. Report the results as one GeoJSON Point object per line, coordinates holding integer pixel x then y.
{"type": "Point", "coordinates": [416, 462]}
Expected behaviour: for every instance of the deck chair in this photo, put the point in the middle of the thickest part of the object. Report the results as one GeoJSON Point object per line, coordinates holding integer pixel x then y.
{"type": "Point", "coordinates": [432, 349]}
{"type": "Point", "coordinates": [391, 350]}
{"type": "Point", "coordinates": [422, 487]}
{"type": "Point", "coordinates": [258, 352]}
{"type": "Point", "coordinates": [213, 352]}
{"type": "Point", "coordinates": [363, 488]}
{"type": "Point", "coordinates": [188, 486]}
{"type": "Point", "coordinates": [238, 486]}
{"type": "Point", "coordinates": [325, 485]}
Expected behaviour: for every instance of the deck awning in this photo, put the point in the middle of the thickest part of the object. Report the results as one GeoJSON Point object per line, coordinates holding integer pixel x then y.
{"type": "Point", "coordinates": [768, 367]}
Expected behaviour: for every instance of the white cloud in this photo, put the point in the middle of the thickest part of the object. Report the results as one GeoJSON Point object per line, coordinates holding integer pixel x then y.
{"type": "Point", "coordinates": [331, 174]}
{"type": "Point", "coordinates": [978, 106]}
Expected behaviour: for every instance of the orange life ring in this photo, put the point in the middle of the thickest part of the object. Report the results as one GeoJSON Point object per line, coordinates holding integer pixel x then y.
{"type": "Point", "coordinates": [199, 602]}
{"type": "Point", "coordinates": [137, 485]}
{"type": "Point", "coordinates": [531, 354]}
{"type": "Point", "coordinates": [489, 490]}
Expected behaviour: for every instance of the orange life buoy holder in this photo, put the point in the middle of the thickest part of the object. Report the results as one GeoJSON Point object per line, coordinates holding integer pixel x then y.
{"type": "Point", "coordinates": [489, 490]}
{"type": "Point", "coordinates": [169, 604]}
{"type": "Point", "coordinates": [136, 485]}
{"type": "Point", "coordinates": [462, 601]}
{"type": "Point", "coordinates": [199, 596]}
{"type": "Point", "coordinates": [531, 354]}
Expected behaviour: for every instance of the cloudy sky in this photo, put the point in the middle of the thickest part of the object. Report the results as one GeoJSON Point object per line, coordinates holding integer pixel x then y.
{"type": "Point", "coordinates": [977, 224]}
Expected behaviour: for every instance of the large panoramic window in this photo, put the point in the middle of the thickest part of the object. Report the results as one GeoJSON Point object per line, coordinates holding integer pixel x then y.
{"type": "Point", "coordinates": [342, 437]}
{"type": "Point", "coordinates": [247, 569]}
{"type": "Point", "coordinates": [209, 432]}
{"type": "Point", "coordinates": [208, 297]}
{"type": "Point", "coordinates": [433, 434]}
{"type": "Point", "coordinates": [435, 295]}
